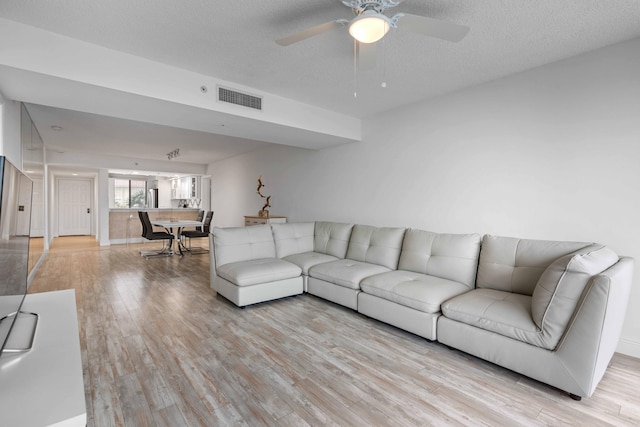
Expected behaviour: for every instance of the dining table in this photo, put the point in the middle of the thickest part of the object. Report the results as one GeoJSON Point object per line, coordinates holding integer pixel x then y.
{"type": "Point", "coordinates": [175, 228]}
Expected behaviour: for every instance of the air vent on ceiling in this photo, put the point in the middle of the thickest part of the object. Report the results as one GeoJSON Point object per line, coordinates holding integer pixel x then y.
{"type": "Point", "coordinates": [239, 98]}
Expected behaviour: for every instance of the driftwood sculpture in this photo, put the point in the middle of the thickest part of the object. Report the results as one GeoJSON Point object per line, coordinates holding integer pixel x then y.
{"type": "Point", "coordinates": [264, 212]}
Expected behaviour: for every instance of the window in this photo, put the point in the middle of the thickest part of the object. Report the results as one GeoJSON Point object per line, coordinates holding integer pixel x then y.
{"type": "Point", "coordinates": [128, 193]}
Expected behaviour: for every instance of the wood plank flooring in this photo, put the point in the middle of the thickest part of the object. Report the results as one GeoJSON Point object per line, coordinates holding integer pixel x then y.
{"type": "Point", "coordinates": [160, 348]}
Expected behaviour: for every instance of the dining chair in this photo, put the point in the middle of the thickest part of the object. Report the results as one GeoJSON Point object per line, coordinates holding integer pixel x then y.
{"type": "Point", "coordinates": [149, 234]}
{"type": "Point", "coordinates": [194, 234]}
{"type": "Point", "coordinates": [200, 218]}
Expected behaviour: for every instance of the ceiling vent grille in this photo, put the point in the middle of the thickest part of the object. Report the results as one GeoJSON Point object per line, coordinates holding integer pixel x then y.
{"type": "Point", "coordinates": [239, 98]}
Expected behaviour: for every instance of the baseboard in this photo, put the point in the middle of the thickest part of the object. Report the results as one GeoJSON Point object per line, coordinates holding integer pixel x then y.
{"type": "Point", "coordinates": [629, 347]}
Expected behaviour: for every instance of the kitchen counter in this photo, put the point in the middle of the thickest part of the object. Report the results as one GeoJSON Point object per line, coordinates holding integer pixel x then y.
{"type": "Point", "coordinates": [152, 209]}
{"type": "Point", "coordinates": [124, 224]}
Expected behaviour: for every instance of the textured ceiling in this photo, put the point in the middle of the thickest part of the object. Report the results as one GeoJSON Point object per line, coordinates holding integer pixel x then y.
{"type": "Point", "coordinates": [234, 41]}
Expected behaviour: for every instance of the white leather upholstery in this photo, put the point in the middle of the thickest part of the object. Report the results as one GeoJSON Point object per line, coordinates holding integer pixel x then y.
{"type": "Point", "coordinates": [415, 321]}
{"type": "Point", "coordinates": [332, 238]}
{"type": "Point", "coordinates": [244, 268]}
{"type": "Point", "coordinates": [449, 256]}
{"type": "Point", "coordinates": [309, 244]}
{"type": "Point", "coordinates": [345, 272]}
{"type": "Point", "coordinates": [407, 288]}
{"type": "Point", "coordinates": [253, 294]}
{"type": "Point", "coordinates": [556, 294]}
{"type": "Point", "coordinates": [293, 238]}
{"type": "Point", "coordinates": [376, 245]}
{"type": "Point", "coordinates": [432, 269]}
{"type": "Point", "coordinates": [252, 272]}
{"type": "Point", "coordinates": [505, 313]}
{"type": "Point", "coordinates": [339, 281]}
{"type": "Point", "coordinates": [540, 320]}
{"type": "Point", "coordinates": [515, 265]}
{"type": "Point", "coordinates": [344, 296]}
{"type": "Point", "coordinates": [308, 259]}
{"type": "Point", "coordinates": [242, 243]}
{"type": "Point", "coordinates": [581, 357]}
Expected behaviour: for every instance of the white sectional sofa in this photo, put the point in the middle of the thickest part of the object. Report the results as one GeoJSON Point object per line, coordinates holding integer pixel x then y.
{"type": "Point", "coordinates": [550, 310]}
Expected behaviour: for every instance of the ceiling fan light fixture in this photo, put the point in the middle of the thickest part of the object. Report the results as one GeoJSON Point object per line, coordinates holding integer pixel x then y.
{"type": "Point", "coordinates": [369, 27]}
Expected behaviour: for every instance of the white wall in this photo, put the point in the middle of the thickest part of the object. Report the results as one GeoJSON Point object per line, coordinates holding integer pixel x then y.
{"type": "Point", "coordinates": [10, 142]}
{"type": "Point", "coordinates": [551, 153]}
{"type": "Point", "coordinates": [234, 183]}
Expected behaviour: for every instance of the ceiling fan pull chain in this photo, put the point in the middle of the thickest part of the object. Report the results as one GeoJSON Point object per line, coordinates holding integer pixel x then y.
{"type": "Point", "coordinates": [355, 68]}
{"type": "Point", "coordinates": [384, 64]}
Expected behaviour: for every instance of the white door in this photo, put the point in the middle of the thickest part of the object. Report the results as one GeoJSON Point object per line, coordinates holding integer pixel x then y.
{"type": "Point", "coordinates": [74, 207]}
{"type": "Point", "coordinates": [37, 209]}
{"type": "Point", "coordinates": [24, 206]}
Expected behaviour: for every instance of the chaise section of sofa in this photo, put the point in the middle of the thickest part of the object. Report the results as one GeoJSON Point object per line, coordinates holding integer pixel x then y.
{"type": "Point", "coordinates": [371, 251]}
{"type": "Point", "coordinates": [552, 311]}
{"type": "Point", "coordinates": [245, 269]}
{"type": "Point", "coordinates": [432, 269]}
{"type": "Point", "coordinates": [307, 244]}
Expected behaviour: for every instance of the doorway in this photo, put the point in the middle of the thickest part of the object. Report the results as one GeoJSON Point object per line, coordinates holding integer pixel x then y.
{"type": "Point", "coordinates": [74, 207]}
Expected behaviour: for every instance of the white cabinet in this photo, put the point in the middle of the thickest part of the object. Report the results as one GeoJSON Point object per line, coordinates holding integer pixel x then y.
{"type": "Point", "coordinates": [44, 386]}
{"type": "Point", "coordinates": [187, 187]}
{"type": "Point", "coordinates": [194, 186]}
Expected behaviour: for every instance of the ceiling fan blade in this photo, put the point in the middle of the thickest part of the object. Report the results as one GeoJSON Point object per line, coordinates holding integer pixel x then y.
{"type": "Point", "coordinates": [313, 31]}
{"type": "Point", "coordinates": [366, 54]}
{"type": "Point", "coordinates": [431, 27]}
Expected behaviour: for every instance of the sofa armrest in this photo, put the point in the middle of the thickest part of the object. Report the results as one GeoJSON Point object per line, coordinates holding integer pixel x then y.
{"type": "Point", "coordinates": [594, 331]}
{"type": "Point", "coordinates": [212, 258]}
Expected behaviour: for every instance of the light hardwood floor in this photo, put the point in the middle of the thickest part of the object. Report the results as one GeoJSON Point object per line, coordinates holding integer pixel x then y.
{"type": "Point", "coordinates": [159, 347]}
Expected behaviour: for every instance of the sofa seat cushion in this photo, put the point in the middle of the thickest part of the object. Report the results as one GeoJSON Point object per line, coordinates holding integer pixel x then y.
{"type": "Point", "coordinates": [415, 290]}
{"type": "Point", "coordinates": [252, 272]}
{"type": "Point", "coordinates": [504, 313]}
{"type": "Point", "coordinates": [346, 272]}
{"type": "Point", "coordinates": [308, 259]}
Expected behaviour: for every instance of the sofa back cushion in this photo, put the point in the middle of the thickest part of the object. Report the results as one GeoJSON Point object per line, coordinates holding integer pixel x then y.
{"type": "Point", "coordinates": [374, 245]}
{"type": "Point", "coordinates": [448, 256]}
{"type": "Point", "coordinates": [556, 295]}
{"type": "Point", "coordinates": [515, 265]}
{"type": "Point", "coordinates": [243, 243]}
{"type": "Point", "coordinates": [293, 238]}
{"type": "Point", "coordinates": [332, 238]}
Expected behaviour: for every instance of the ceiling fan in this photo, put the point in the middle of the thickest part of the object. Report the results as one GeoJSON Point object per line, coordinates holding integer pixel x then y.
{"type": "Point", "coordinates": [371, 25]}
